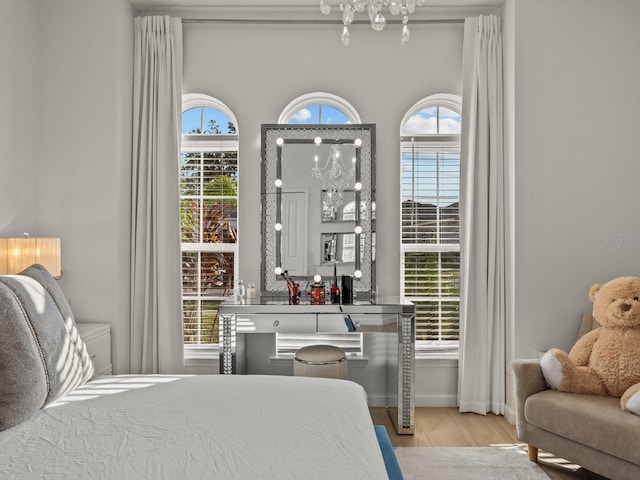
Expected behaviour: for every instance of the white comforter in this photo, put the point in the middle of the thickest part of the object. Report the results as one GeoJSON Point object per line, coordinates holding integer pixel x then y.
{"type": "Point", "coordinates": [199, 427]}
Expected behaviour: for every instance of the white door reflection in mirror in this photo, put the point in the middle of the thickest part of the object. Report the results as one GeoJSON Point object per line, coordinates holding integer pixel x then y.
{"type": "Point", "coordinates": [294, 238]}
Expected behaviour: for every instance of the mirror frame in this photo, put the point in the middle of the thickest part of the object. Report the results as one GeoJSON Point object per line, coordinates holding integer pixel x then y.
{"type": "Point", "coordinates": [274, 138]}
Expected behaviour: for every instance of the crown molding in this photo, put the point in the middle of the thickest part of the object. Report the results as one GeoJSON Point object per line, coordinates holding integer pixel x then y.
{"type": "Point", "coordinates": [309, 10]}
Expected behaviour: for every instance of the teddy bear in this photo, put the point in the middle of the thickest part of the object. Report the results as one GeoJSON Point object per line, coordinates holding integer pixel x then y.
{"type": "Point", "coordinates": [605, 361]}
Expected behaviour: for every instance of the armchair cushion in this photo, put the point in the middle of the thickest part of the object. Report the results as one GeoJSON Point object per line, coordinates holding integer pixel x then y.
{"type": "Point", "coordinates": [591, 420]}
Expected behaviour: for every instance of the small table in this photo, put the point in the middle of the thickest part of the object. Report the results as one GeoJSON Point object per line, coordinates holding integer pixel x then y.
{"type": "Point", "coordinates": [269, 314]}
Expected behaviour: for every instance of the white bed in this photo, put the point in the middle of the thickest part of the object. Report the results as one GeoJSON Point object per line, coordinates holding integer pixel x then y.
{"type": "Point", "coordinates": [198, 427]}
{"type": "Point", "coordinates": [56, 423]}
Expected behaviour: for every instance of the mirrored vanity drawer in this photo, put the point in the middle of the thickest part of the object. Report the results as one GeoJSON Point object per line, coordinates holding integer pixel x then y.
{"type": "Point", "coordinates": [332, 323]}
{"type": "Point", "coordinates": [267, 323]}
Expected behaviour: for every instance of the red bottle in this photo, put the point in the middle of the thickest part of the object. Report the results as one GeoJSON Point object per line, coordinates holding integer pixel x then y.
{"type": "Point", "coordinates": [335, 289]}
{"type": "Point", "coordinates": [317, 294]}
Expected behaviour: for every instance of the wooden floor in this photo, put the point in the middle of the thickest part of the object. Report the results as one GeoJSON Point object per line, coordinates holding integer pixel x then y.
{"type": "Point", "coordinates": [447, 427]}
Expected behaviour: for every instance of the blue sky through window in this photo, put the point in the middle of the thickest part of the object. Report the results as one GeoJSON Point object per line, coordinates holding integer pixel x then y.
{"type": "Point", "coordinates": [315, 114]}
{"type": "Point", "coordinates": [433, 121]}
{"type": "Point", "coordinates": [205, 120]}
{"type": "Point", "coordinates": [431, 172]}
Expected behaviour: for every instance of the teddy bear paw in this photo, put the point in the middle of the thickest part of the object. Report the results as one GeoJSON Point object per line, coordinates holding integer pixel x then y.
{"type": "Point", "coordinates": [552, 370]}
{"type": "Point", "coordinates": [630, 401]}
{"type": "Point", "coordinates": [633, 404]}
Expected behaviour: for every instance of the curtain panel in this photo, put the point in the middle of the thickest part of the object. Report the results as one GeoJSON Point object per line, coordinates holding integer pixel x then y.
{"type": "Point", "coordinates": [156, 301]}
{"type": "Point", "coordinates": [481, 372]}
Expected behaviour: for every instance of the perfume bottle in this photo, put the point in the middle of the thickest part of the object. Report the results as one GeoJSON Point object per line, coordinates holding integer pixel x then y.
{"type": "Point", "coordinates": [335, 289]}
{"type": "Point", "coordinates": [239, 292]}
{"type": "Point", "coordinates": [317, 292]}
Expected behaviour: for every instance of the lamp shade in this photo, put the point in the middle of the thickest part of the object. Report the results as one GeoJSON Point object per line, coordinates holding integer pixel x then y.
{"type": "Point", "coordinates": [16, 254]}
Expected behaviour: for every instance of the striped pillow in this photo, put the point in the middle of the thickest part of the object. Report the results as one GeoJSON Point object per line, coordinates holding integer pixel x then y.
{"type": "Point", "coordinates": [42, 357]}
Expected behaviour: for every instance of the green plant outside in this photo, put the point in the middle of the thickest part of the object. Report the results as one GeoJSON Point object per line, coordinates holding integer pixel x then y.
{"type": "Point", "coordinates": [207, 218]}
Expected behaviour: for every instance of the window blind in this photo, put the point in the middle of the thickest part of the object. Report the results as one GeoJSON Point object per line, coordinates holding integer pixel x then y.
{"type": "Point", "coordinates": [209, 231]}
{"type": "Point", "coordinates": [430, 229]}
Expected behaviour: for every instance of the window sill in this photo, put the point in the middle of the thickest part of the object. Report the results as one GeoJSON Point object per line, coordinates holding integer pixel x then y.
{"type": "Point", "coordinates": [436, 361]}
{"type": "Point", "coordinates": [436, 355]}
{"type": "Point", "coordinates": [200, 352]}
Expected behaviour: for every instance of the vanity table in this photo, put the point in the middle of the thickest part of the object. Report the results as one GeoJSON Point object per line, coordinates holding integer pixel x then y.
{"type": "Point", "coordinates": [272, 314]}
{"type": "Point", "coordinates": [319, 220]}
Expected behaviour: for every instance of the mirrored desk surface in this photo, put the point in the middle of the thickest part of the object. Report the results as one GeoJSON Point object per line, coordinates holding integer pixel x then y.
{"type": "Point", "coordinates": [280, 303]}
{"type": "Point", "coordinates": [273, 314]}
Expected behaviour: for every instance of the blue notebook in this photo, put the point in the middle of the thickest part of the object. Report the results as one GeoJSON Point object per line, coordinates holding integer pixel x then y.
{"type": "Point", "coordinates": [350, 326]}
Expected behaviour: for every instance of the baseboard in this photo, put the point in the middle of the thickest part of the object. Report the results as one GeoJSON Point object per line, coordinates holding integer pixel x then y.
{"type": "Point", "coordinates": [436, 400]}
{"type": "Point", "coordinates": [377, 400]}
{"type": "Point", "coordinates": [427, 400]}
{"type": "Point", "coordinates": [510, 414]}
{"type": "Point", "coordinates": [510, 401]}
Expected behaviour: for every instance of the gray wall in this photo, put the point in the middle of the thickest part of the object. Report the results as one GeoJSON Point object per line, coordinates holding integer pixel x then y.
{"type": "Point", "coordinates": [19, 97]}
{"type": "Point", "coordinates": [576, 160]}
{"type": "Point", "coordinates": [66, 140]}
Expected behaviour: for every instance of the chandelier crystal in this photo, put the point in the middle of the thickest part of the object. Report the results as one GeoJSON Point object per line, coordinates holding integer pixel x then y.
{"type": "Point", "coordinates": [374, 8]}
{"type": "Point", "coordinates": [335, 177]}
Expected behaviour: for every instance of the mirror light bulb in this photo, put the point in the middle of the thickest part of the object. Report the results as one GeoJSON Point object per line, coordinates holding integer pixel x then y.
{"type": "Point", "coordinates": [278, 183]}
{"type": "Point", "coordinates": [357, 274]}
{"type": "Point", "coordinates": [278, 270]}
{"type": "Point", "coordinates": [317, 140]}
{"type": "Point", "coordinates": [279, 141]}
{"type": "Point", "coordinates": [317, 278]}
{"type": "Point", "coordinates": [358, 229]}
{"type": "Point", "coordinates": [278, 227]}
{"type": "Point", "coordinates": [358, 142]}
{"type": "Point", "coordinates": [357, 186]}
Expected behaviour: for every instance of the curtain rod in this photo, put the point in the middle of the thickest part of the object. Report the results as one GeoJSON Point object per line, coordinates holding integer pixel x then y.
{"type": "Point", "coordinates": [267, 21]}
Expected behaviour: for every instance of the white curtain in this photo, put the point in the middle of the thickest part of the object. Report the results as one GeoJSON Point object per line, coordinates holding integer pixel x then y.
{"type": "Point", "coordinates": [156, 304]}
{"type": "Point", "coordinates": [481, 373]}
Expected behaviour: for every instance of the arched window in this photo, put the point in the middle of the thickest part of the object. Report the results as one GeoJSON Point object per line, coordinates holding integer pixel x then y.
{"type": "Point", "coordinates": [319, 107]}
{"type": "Point", "coordinates": [430, 210]}
{"type": "Point", "coordinates": [208, 213]}
{"type": "Point", "coordinates": [205, 115]}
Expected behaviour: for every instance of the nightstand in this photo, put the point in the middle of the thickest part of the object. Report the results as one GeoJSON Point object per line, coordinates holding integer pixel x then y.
{"type": "Point", "coordinates": [97, 338]}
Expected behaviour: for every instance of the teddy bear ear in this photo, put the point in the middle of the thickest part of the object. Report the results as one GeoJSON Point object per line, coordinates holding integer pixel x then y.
{"type": "Point", "coordinates": [593, 292]}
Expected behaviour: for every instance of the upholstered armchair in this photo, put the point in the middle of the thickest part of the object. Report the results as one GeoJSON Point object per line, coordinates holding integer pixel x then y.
{"type": "Point", "coordinates": [589, 430]}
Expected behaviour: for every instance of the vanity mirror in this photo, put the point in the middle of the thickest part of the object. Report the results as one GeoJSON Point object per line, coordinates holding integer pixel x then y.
{"type": "Point", "coordinates": [318, 204]}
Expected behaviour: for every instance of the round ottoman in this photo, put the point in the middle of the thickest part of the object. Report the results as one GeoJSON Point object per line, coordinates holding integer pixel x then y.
{"type": "Point", "coordinates": [320, 361]}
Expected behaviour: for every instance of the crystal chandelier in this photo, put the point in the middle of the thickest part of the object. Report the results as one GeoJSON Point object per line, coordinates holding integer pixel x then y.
{"type": "Point", "coordinates": [374, 9]}
{"type": "Point", "coordinates": [334, 177]}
